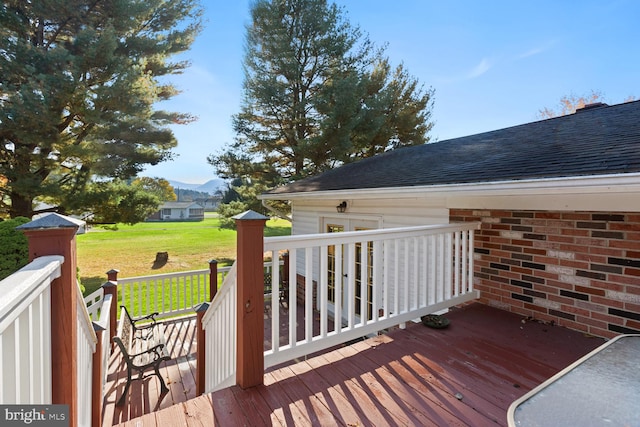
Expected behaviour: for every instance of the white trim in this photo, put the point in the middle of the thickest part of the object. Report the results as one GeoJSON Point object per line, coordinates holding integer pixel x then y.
{"type": "Point", "coordinates": [593, 184]}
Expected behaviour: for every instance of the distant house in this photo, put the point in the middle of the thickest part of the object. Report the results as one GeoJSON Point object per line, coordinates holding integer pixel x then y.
{"type": "Point", "coordinates": [558, 199]}
{"type": "Point", "coordinates": [178, 211]}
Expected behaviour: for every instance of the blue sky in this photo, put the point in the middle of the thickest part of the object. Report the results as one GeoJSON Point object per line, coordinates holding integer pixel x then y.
{"type": "Point", "coordinates": [493, 64]}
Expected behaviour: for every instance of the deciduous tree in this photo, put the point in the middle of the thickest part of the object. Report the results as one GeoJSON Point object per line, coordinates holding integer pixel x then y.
{"type": "Point", "coordinates": [78, 84]}
{"type": "Point", "coordinates": [158, 186]}
{"type": "Point", "coordinates": [570, 103]}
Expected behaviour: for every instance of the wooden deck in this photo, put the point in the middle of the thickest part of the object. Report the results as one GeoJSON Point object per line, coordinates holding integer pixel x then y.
{"type": "Point", "coordinates": [144, 396]}
{"type": "Point", "coordinates": [465, 375]}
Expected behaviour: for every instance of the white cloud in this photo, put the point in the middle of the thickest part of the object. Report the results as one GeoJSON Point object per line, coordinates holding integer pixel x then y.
{"type": "Point", "coordinates": [536, 50]}
{"type": "Point", "coordinates": [479, 69]}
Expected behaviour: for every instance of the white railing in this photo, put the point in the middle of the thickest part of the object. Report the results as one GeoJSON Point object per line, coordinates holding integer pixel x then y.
{"type": "Point", "coordinates": [86, 341]}
{"type": "Point", "coordinates": [364, 281]}
{"type": "Point", "coordinates": [407, 273]}
{"type": "Point", "coordinates": [219, 324]}
{"type": "Point", "coordinates": [169, 294]}
{"type": "Point", "coordinates": [104, 323]}
{"type": "Point", "coordinates": [93, 303]}
{"type": "Point", "coordinates": [98, 307]}
{"type": "Point", "coordinates": [25, 332]}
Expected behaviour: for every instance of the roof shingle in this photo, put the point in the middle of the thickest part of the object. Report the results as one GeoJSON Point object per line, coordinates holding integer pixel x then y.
{"type": "Point", "coordinates": [596, 141]}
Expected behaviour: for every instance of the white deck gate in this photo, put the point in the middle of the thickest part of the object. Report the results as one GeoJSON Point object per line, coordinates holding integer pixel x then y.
{"type": "Point", "coordinates": [25, 332]}
{"type": "Point", "coordinates": [25, 338]}
{"type": "Point", "coordinates": [219, 323]}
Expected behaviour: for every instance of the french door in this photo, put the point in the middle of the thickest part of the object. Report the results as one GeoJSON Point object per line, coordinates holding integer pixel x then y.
{"type": "Point", "coordinates": [339, 260]}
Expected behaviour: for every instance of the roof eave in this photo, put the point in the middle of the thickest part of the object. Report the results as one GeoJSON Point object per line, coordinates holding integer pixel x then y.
{"type": "Point", "coordinates": [591, 184]}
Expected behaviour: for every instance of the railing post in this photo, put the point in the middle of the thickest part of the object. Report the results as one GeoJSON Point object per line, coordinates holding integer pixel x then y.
{"type": "Point", "coordinates": [112, 275]}
{"type": "Point", "coordinates": [201, 351]}
{"type": "Point", "coordinates": [250, 282]}
{"type": "Point", "coordinates": [96, 379]}
{"type": "Point", "coordinates": [55, 234]}
{"type": "Point", "coordinates": [213, 279]}
{"type": "Point", "coordinates": [111, 288]}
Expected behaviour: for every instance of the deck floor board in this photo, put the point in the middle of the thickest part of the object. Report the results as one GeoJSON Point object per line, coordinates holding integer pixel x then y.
{"type": "Point", "coordinates": [465, 375]}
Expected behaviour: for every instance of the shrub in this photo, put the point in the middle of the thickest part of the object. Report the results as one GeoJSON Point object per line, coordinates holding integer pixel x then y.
{"type": "Point", "coordinates": [14, 247]}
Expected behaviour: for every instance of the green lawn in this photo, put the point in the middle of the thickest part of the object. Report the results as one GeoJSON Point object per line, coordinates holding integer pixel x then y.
{"type": "Point", "coordinates": [132, 249]}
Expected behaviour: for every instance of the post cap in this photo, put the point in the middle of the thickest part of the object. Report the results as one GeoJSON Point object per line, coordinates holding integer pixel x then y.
{"type": "Point", "coordinates": [202, 307]}
{"type": "Point", "coordinates": [51, 221]}
{"type": "Point", "coordinates": [250, 215]}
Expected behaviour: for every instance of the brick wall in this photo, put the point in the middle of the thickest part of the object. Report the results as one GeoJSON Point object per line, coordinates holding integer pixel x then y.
{"type": "Point", "coordinates": [576, 269]}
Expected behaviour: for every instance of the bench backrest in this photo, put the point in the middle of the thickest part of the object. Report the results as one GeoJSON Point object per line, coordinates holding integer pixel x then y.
{"type": "Point", "coordinates": [124, 334]}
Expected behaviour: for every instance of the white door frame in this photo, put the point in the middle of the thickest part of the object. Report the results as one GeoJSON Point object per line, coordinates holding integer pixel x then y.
{"type": "Point", "coordinates": [349, 223]}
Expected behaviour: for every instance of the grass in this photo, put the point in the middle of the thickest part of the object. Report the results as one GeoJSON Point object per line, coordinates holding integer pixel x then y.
{"type": "Point", "coordinates": [132, 249]}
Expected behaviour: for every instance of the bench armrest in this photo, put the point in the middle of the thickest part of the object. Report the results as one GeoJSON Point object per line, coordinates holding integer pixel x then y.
{"type": "Point", "coordinates": [151, 317]}
{"type": "Point", "coordinates": [155, 349]}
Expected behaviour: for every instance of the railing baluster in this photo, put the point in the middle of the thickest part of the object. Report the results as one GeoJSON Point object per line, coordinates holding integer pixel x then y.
{"type": "Point", "coordinates": [338, 288]}
{"type": "Point", "coordinates": [470, 258]}
{"type": "Point", "coordinates": [396, 274]}
{"type": "Point", "coordinates": [415, 299]}
{"type": "Point", "coordinates": [293, 287]}
{"type": "Point", "coordinates": [441, 262]}
{"type": "Point", "coordinates": [130, 292]}
{"type": "Point", "coordinates": [275, 302]}
{"type": "Point", "coordinates": [32, 350]}
{"type": "Point", "coordinates": [308, 294]}
{"type": "Point", "coordinates": [405, 287]}
{"type": "Point", "coordinates": [377, 278]}
{"type": "Point", "coordinates": [184, 294]}
{"type": "Point", "coordinates": [140, 291]}
{"type": "Point", "coordinates": [149, 295]}
{"type": "Point", "coordinates": [351, 284]}
{"type": "Point", "coordinates": [170, 295]}
{"type": "Point", "coordinates": [457, 255]}
{"type": "Point", "coordinates": [448, 264]}
{"type": "Point", "coordinates": [432, 270]}
{"type": "Point", "coordinates": [163, 301]}
{"type": "Point", "coordinates": [423, 276]}
{"type": "Point", "coordinates": [385, 280]}
{"type": "Point", "coordinates": [322, 292]}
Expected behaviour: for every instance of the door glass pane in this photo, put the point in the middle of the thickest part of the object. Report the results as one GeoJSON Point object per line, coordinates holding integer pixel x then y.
{"type": "Point", "coordinates": [332, 228]}
{"type": "Point", "coordinates": [368, 279]}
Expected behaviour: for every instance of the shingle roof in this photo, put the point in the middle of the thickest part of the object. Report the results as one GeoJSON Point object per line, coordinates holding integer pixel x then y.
{"type": "Point", "coordinates": [593, 141]}
{"type": "Point", "coordinates": [178, 205]}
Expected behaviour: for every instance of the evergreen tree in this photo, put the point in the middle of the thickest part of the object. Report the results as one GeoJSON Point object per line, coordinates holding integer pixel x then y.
{"type": "Point", "coordinates": [317, 94]}
{"type": "Point", "coordinates": [78, 82]}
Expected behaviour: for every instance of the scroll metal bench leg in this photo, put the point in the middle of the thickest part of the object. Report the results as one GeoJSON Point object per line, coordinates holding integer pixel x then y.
{"type": "Point", "coordinates": [163, 386]}
{"type": "Point", "coordinates": [126, 388]}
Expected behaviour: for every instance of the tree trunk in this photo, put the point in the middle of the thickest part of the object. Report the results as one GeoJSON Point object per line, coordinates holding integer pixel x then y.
{"type": "Point", "coordinates": [21, 205]}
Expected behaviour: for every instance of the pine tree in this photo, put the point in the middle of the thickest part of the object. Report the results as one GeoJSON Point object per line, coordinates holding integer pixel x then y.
{"type": "Point", "coordinates": [317, 94]}
{"type": "Point", "coordinates": [78, 84]}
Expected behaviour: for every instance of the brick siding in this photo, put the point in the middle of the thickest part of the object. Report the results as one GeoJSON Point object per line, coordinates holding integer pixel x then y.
{"type": "Point", "coordinates": [580, 270]}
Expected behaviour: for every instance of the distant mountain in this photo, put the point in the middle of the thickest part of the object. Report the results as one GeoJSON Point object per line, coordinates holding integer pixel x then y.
{"type": "Point", "coordinates": [209, 187]}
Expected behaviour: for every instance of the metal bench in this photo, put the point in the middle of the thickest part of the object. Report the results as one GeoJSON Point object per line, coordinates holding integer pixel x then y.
{"type": "Point", "coordinates": [142, 347]}
{"type": "Point", "coordinates": [140, 325]}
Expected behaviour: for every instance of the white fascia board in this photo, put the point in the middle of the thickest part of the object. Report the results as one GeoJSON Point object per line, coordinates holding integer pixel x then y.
{"type": "Point", "coordinates": [594, 184]}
